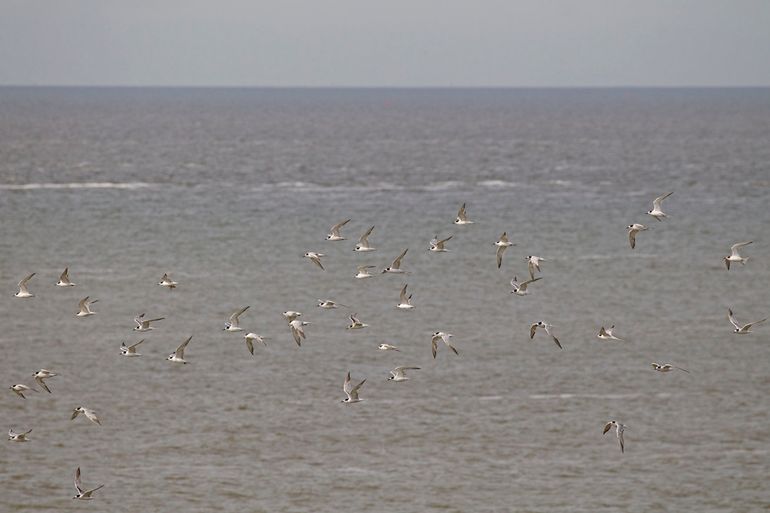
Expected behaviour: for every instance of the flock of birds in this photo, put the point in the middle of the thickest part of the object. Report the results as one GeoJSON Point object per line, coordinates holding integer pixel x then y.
{"type": "Point", "coordinates": [297, 326]}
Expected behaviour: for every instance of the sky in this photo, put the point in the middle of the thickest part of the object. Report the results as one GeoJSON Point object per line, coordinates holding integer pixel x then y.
{"type": "Point", "coordinates": [388, 43]}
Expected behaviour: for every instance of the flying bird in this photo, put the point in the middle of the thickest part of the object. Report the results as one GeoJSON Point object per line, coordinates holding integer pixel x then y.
{"type": "Point", "coordinates": [178, 355]}
{"type": "Point", "coordinates": [356, 324]}
{"type": "Point", "coordinates": [502, 244]}
{"type": "Point", "coordinates": [250, 338]}
{"type": "Point", "coordinates": [19, 390]}
{"type": "Point", "coordinates": [633, 229]}
{"type": "Point", "coordinates": [143, 324]}
{"type": "Point", "coordinates": [735, 256]}
{"type": "Point", "coordinates": [363, 242]}
{"type": "Point", "coordinates": [23, 290]}
{"type": "Point", "coordinates": [167, 282]}
{"type": "Point", "coordinates": [606, 334]}
{"type": "Point", "coordinates": [388, 347]}
{"type": "Point", "coordinates": [83, 494]}
{"type": "Point", "coordinates": [742, 329]}
{"type": "Point", "coordinates": [13, 436]}
{"type": "Point", "coordinates": [328, 304]}
{"type": "Point", "coordinates": [437, 246]}
{"type": "Point", "coordinates": [64, 279]}
{"type": "Point", "coordinates": [351, 391]}
{"type": "Point", "coordinates": [666, 367]}
{"type": "Point", "coordinates": [90, 415]}
{"type": "Point", "coordinates": [395, 267]}
{"type": "Point", "coordinates": [619, 428]}
{"type": "Point", "coordinates": [520, 289]}
{"type": "Point", "coordinates": [315, 258]}
{"type": "Point", "coordinates": [362, 271]}
{"type": "Point", "coordinates": [130, 351]}
{"type": "Point", "coordinates": [462, 217]}
{"type": "Point", "coordinates": [657, 211]}
{"type": "Point", "coordinates": [404, 301]}
{"type": "Point", "coordinates": [233, 322]}
{"type": "Point", "coordinates": [334, 233]}
{"type": "Point", "coordinates": [444, 337]}
{"type": "Point", "coordinates": [84, 307]}
{"type": "Point", "coordinates": [547, 327]}
{"type": "Point", "coordinates": [399, 373]}
{"type": "Point", "coordinates": [297, 330]}
{"type": "Point", "coordinates": [533, 263]}
{"type": "Point", "coordinates": [290, 315]}
{"type": "Point", "coordinates": [41, 375]}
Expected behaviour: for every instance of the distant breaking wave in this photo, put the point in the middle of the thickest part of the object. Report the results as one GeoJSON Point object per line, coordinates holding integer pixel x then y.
{"type": "Point", "coordinates": [386, 186]}
{"type": "Point", "coordinates": [74, 185]}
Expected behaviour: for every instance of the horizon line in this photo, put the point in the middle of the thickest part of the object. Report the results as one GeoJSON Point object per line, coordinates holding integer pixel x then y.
{"type": "Point", "coordinates": [376, 87]}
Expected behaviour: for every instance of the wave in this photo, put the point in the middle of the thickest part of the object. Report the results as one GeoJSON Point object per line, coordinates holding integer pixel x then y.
{"type": "Point", "coordinates": [74, 185]}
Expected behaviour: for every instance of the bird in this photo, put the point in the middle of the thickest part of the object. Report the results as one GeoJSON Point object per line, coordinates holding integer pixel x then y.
{"type": "Point", "coordinates": [742, 329]}
{"type": "Point", "coordinates": [547, 327]}
{"type": "Point", "coordinates": [666, 367]}
{"type": "Point", "coordinates": [23, 290]}
{"type": "Point", "coordinates": [502, 244]}
{"type": "Point", "coordinates": [290, 315]}
{"type": "Point", "coordinates": [388, 347]}
{"type": "Point", "coordinates": [363, 242]}
{"type": "Point", "coordinates": [734, 255]}
{"type": "Point", "coordinates": [178, 355]}
{"type": "Point", "coordinates": [143, 324]}
{"type": "Point", "coordinates": [64, 279]}
{"type": "Point", "coordinates": [619, 428]}
{"type": "Point", "coordinates": [405, 302]}
{"type": "Point", "coordinates": [297, 330]}
{"type": "Point", "coordinates": [334, 233]}
{"type": "Point", "coordinates": [440, 335]}
{"type": "Point", "coordinates": [356, 324]}
{"type": "Point", "coordinates": [13, 436]}
{"type": "Point", "coordinates": [19, 390]}
{"type": "Point", "coordinates": [533, 263]}
{"type": "Point", "coordinates": [84, 307]}
{"type": "Point", "coordinates": [633, 229]}
{"type": "Point", "coordinates": [328, 304]}
{"type": "Point", "coordinates": [129, 351]}
{"type": "Point", "coordinates": [315, 258]}
{"type": "Point", "coordinates": [233, 322]}
{"type": "Point", "coordinates": [83, 495]}
{"type": "Point", "coordinates": [167, 282]}
{"type": "Point", "coordinates": [41, 375]}
{"type": "Point", "coordinates": [520, 289]}
{"type": "Point", "coordinates": [250, 338]}
{"type": "Point", "coordinates": [657, 211]}
{"type": "Point", "coordinates": [362, 271]}
{"type": "Point", "coordinates": [90, 414]}
{"type": "Point", "coordinates": [351, 391]}
{"type": "Point", "coordinates": [606, 334]}
{"type": "Point", "coordinates": [437, 246]}
{"type": "Point", "coordinates": [395, 267]}
{"type": "Point", "coordinates": [399, 373]}
{"type": "Point", "coordinates": [462, 217]}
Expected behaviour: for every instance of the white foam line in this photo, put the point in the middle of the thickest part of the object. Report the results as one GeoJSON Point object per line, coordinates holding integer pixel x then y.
{"type": "Point", "coordinates": [73, 185]}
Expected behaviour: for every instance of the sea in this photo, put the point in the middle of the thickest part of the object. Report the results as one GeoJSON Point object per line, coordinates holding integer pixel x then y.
{"type": "Point", "coordinates": [226, 190]}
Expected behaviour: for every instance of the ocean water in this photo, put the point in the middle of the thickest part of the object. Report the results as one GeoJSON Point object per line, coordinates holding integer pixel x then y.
{"type": "Point", "coordinates": [227, 188]}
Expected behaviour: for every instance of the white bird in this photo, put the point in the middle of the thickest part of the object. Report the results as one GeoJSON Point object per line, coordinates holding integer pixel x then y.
{"type": "Point", "coordinates": [657, 211]}
{"type": "Point", "coordinates": [297, 330]}
{"type": "Point", "coordinates": [90, 414]}
{"type": "Point", "coordinates": [335, 231]}
{"type": "Point", "coordinates": [83, 494]}
{"type": "Point", "coordinates": [405, 302]}
{"type": "Point", "coordinates": [129, 351]}
{"type": "Point", "coordinates": [167, 282]}
{"type": "Point", "coordinates": [363, 242]}
{"type": "Point", "coordinates": [315, 258]}
{"type": "Point", "coordinates": [744, 329]}
{"type": "Point", "coordinates": [388, 347]}
{"type": "Point", "coordinates": [328, 304]}
{"type": "Point", "coordinates": [64, 279]}
{"type": "Point", "coordinates": [547, 327]}
{"type": "Point", "coordinates": [437, 246]}
{"type": "Point", "coordinates": [462, 217]}
{"type": "Point", "coordinates": [735, 256]}
{"type": "Point", "coordinates": [520, 289]}
{"type": "Point", "coordinates": [19, 390]}
{"type": "Point", "coordinates": [619, 428]}
{"type": "Point", "coordinates": [233, 322]}
{"type": "Point", "coordinates": [633, 229]}
{"type": "Point", "coordinates": [23, 290]}
{"type": "Point", "coordinates": [533, 263]}
{"type": "Point", "coordinates": [395, 267]}
{"type": "Point", "coordinates": [178, 355]}
{"type": "Point", "coordinates": [502, 244]}
{"type": "Point", "coordinates": [606, 334]}
{"type": "Point", "coordinates": [362, 271]}
{"type": "Point", "coordinates": [355, 324]}
{"type": "Point", "coordinates": [351, 391]}
{"type": "Point", "coordinates": [250, 338]}
{"type": "Point", "coordinates": [666, 367]}
{"type": "Point", "coordinates": [290, 315]}
{"type": "Point", "coordinates": [41, 375]}
{"type": "Point", "coordinates": [399, 373]}
{"type": "Point", "coordinates": [84, 307]}
{"type": "Point", "coordinates": [440, 335]}
{"type": "Point", "coordinates": [13, 436]}
{"type": "Point", "coordinates": [143, 324]}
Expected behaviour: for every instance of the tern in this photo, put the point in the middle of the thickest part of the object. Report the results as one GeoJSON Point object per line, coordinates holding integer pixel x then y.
{"type": "Point", "coordinates": [399, 373]}
{"type": "Point", "coordinates": [90, 415]}
{"type": "Point", "coordinates": [547, 327]}
{"type": "Point", "coordinates": [633, 229]}
{"type": "Point", "coordinates": [23, 290]}
{"type": "Point", "coordinates": [744, 329]}
{"type": "Point", "coordinates": [405, 302]}
{"type": "Point", "coordinates": [335, 231]}
{"type": "Point", "coordinates": [533, 263]}
{"type": "Point", "coordinates": [440, 335]}
{"type": "Point", "coordinates": [666, 367]}
{"type": "Point", "coordinates": [19, 390]}
{"type": "Point", "coordinates": [41, 375]}
{"type": "Point", "coordinates": [388, 347]}
{"type": "Point", "coordinates": [178, 355]}
{"type": "Point", "coordinates": [290, 315]}
{"type": "Point", "coordinates": [250, 338]}
{"type": "Point", "coordinates": [437, 246]}
{"type": "Point", "coordinates": [502, 244]}
{"type": "Point", "coordinates": [64, 279]}
{"type": "Point", "coordinates": [328, 304]}
{"type": "Point", "coordinates": [356, 324]}
{"type": "Point", "coordinates": [13, 436]}
{"type": "Point", "coordinates": [233, 322]}
{"type": "Point", "coordinates": [462, 217]}
{"type": "Point", "coordinates": [606, 334]}
{"type": "Point", "coordinates": [351, 391]}
{"type": "Point", "coordinates": [657, 211]}
{"type": "Point", "coordinates": [167, 282]}
{"type": "Point", "coordinates": [83, 495]}
{"type": "Point", "coordinates": [84, 307]}
{"type": "Point", "coordinates": [395, 267]}
{"type": "Point", "coordinates": [143, 324]}
{"type": "Point", "coordinates": [315, 258]}
{"type": "Point", "coordinates": [520, 289]}
{"type": "Point", "coordinates": [362, 271]}
{"type": "Point", "coordinates": [297, 330]}
{"type": "Point", "coordinates": [363, 242]}
{"type": "Point", "coordinates": [734, 256]}
{"type": "Point", "coordinates": [619, 428]}
{"type": "Point", "coordinates": [129, 351]}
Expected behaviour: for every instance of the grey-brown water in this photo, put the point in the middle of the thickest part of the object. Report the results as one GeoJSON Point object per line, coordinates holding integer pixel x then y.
{"type": "Point", "coordinates": [226, 189]}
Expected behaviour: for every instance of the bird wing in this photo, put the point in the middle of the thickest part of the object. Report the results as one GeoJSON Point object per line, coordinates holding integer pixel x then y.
{"type": "Point", "coordinates": [659, 200]}
{"type": "Point", "coordinates": [23, 283]}
{"type": "Point", "coordinates": [602, 332]}
{"type": "Point", "coordinates": [500, 251]}
{"type": "Point", "coordinates": [364, 239]}
{"type": "Point", "coordinates": [236, 314]}
{"type": "Point", "coordinates": [402, 296]}
{"type": "Point", "coordinates": [732, 319]}
{"type": "Point", "coordinates": [397, 262]}
{"type": "Point", "coordinates": [92, 417]}
{"type": "Point", "coordinates": [632, 237]}
{"type": "Point", "coordinates": [78, 484]}
{"type": "Point", "coordinates": [607, 427]}
{"type": "Point", "coordinates": [735, 247]}
{"type": "Point", "coordinates": [42, 384]}
{"type": "Point", "coordinates": [180, 350]}
{"type": "Point", "coordinates": [461, 213]}
{"type": "Point", "coordinates": [532, 330]}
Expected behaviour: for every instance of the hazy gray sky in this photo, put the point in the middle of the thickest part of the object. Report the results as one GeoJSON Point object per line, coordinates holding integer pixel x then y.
{"type": "Point", "coordinates": [385, 42]}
